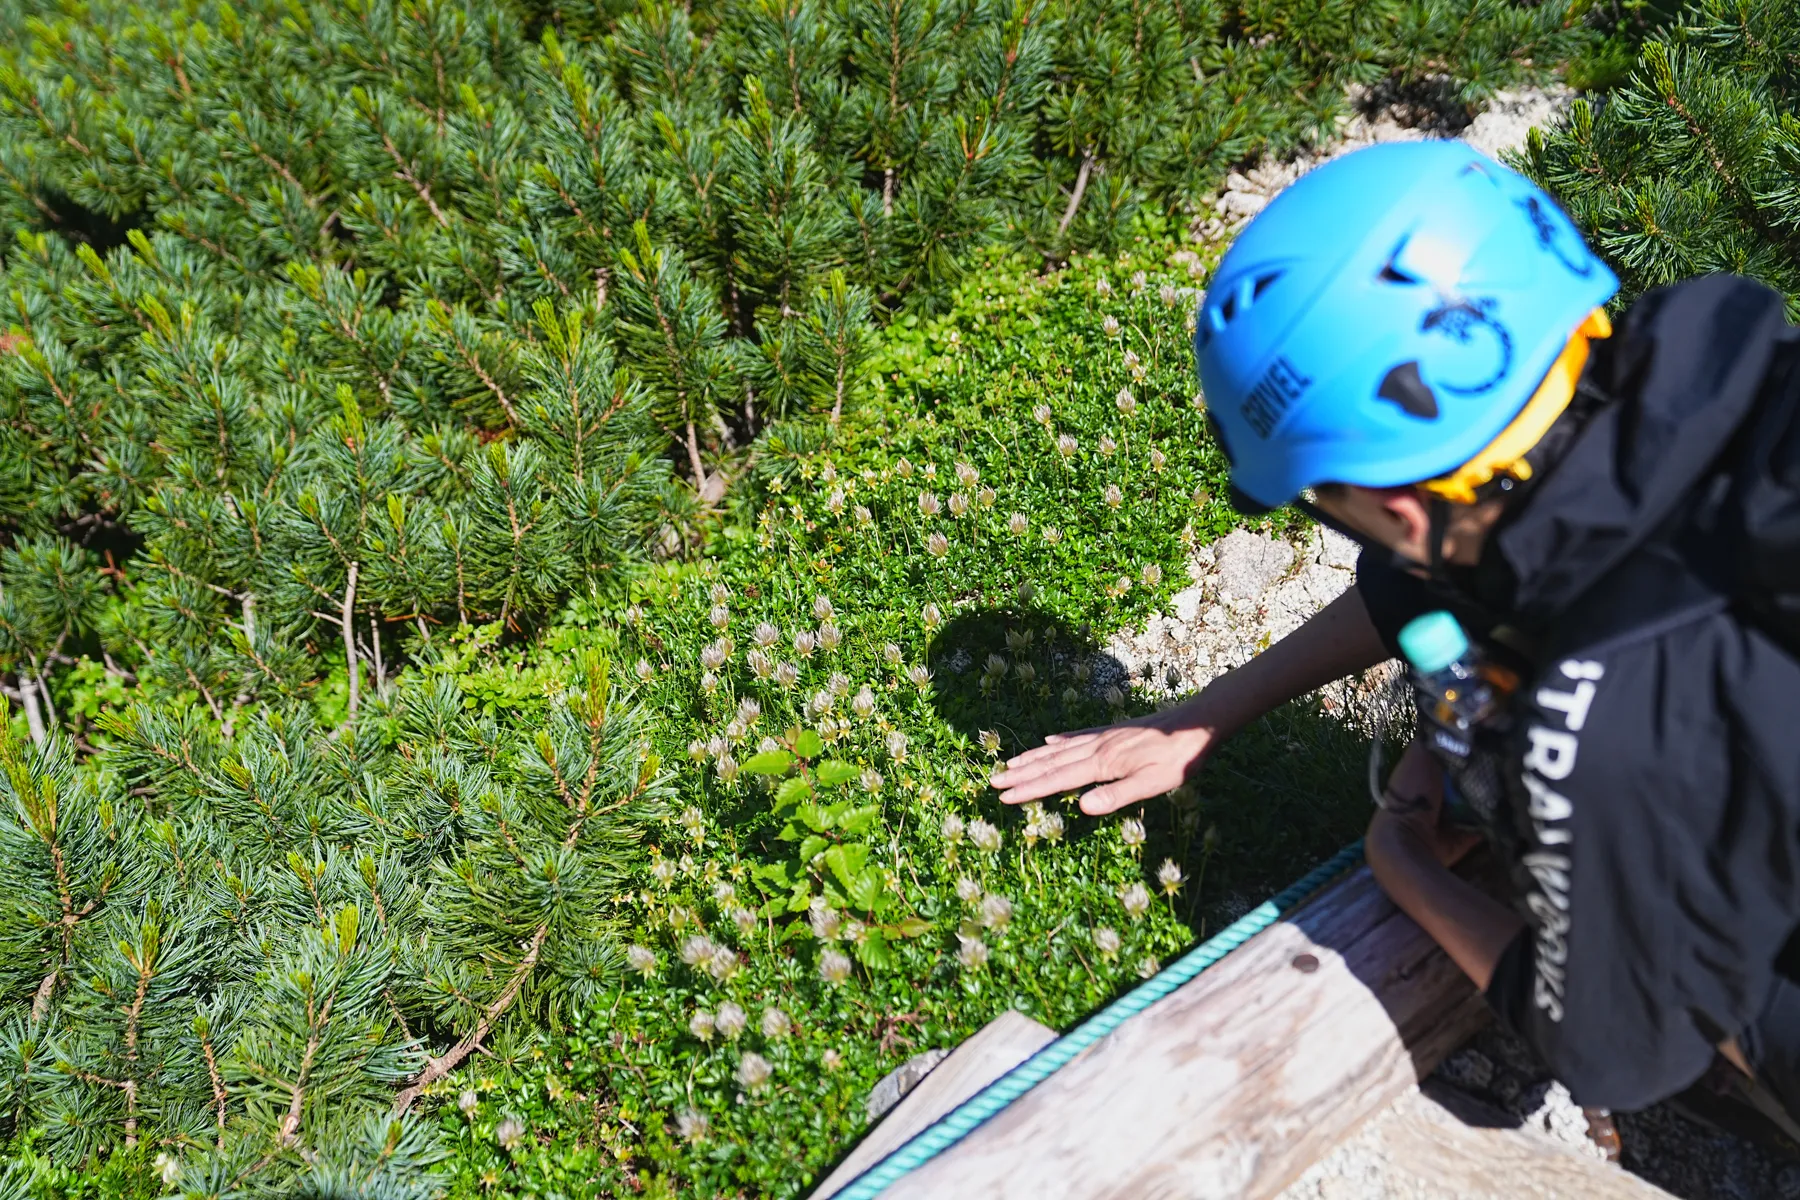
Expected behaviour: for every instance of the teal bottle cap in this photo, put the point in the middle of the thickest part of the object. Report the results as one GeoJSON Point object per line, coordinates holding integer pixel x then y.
{"type": "Point", "coordinates": [1433, 641]}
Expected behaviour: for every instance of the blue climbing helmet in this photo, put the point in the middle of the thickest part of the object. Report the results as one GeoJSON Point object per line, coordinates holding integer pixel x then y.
{"type": "Point", "coordinates": [1385, 318]}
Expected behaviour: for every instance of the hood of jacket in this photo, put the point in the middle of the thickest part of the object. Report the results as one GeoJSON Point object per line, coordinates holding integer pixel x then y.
{"type": "Point", "coordinates": [1675, 383]}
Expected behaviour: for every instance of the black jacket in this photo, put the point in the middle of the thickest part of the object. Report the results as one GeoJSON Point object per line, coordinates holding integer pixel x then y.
{"type": "Point", "coordinates": [1651, 768]}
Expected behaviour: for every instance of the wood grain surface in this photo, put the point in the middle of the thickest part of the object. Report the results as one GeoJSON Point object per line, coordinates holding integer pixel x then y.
{"type": "Point", "coordinates": [1234, 1084]}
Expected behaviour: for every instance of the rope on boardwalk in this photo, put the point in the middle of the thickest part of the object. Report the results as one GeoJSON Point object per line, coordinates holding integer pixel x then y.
{"type": "Point", "coordinates": [966, 1117]}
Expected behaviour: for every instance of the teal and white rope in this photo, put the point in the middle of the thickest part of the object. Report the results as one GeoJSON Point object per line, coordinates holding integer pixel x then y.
{"type": "Point", "coordinates": [962, 1120]}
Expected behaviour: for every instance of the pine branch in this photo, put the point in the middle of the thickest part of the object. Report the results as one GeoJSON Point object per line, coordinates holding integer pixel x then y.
{"type": "Point", "coordinates": [349, 628]}
{"type": "Point", "coordinates": [439, 1067]}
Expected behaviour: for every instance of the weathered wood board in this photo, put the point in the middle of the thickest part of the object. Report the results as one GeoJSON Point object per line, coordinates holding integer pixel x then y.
{"type": "Point", "coordinates": [1237, 1082]}
{"type": "Point", "coordinates": [1002, 1044]}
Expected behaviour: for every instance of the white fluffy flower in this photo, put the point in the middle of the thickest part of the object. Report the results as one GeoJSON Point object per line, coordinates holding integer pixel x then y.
{"type": "Point", "coordinates": [805, 642]}
{"type": "Point", "coordinates": [641, 959]}
{"type": "Point", "coordinates": [929, 505]}
{"type": "Point", "coordinates": [1131, 832]}
{"type": "Point", "coordinates": [701, 1024]}
{"type": "Point", "coordinates": [509, 1133]}
{"type": "Point", "coordinates": [753, 1071]}
{"type": "Point", "coordinates": [967, 890]}
{"type": "Point", "coordinates": [952, 829]}
{"type": "Point", "coordinates": [834, 966]}
{"type": "Point", "coordinates": [1107, 941]}
{"type": "Point", "coordinates": [896, 745]}
{"type": "Point", "coordinates": [821, 608]}
{"type": "Point", "coordinates": [765, 634]}
{"type": "Point", "coordinates": [1113, 496]}
{"type": "Point", "coordinates": [971, 952]}
{"type": "Point", "coordinates": [937, 545]}
{"type": "Point", "coordinates": [985, 836]}
{"type": "Point", "coordinates": [830, 636]}
{"type": "Point", "coordinates": [1066, 445]}
{"type": "Point", "coordinates": [931, 615]}
{"type": "Point", "coordinates": [1136, 899]}
{"type": "Point", "coordinates": [1018, 523]}
{"type": "Point", "coordinates": [776, 1024]}
{"type": "Point", "coordinates": [730, 1021]}
{"type": "Point", "coordinates": [1126, 402]}
{"type": "Point", "coordinates": [826, 923]}
{"type": "Point", "coordinates": [1169, 876]}
{"type": "Point", "coordinates": [892, 654]}
{"type": "Point", "coordinates": [691, 1125]}
{"type": "Point", "coordinates": [1110, 326]}
{"type": "Point", "coordinates": [920, 675]}
{"type": "Point", "coordinates": [1041, 414]}
{"type": "Point", "coordinates": [996, 911]}
{"type": "Point", "coordinates": [697, 950]}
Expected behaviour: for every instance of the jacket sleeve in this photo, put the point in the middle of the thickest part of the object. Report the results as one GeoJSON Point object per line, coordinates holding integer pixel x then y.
{"type": "Point", "coordinates": [1391, 596]}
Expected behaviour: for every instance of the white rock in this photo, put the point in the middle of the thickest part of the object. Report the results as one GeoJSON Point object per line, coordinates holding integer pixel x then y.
{"type": "Point", "coordinates": [1336, 550]}
{"type": "Point", "coordinates": [1187, 602]}
{"type": "Point", "coordinates": [1248, 563]}
{"type": "Point", "coordinates": [1242, 204]}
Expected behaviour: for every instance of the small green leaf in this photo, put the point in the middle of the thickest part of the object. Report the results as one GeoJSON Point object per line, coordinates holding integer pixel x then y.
{"type": "Point", "coordinates": [835, 772]}
{"type": "Point", "coordinates": [872, 951]}
{"type": "Point", "coordinates": [817, 817]}
{"type": "Point", "coordinates": [813, 845]}
{"type": "Point", "coordinates": [769, 762]}
{"type": "Point", "coordinates": [793, 790]}
{"type": "Point", "coordinates": [808, 745]}
{"type": "Point", "coordinates": [865, 889]}
{"type": "Point", "coordinates": [911, 927]}
{"type": "Point", "coordinates": [859, 821]}
{"type": "Point", "coordinates": [846, 862]}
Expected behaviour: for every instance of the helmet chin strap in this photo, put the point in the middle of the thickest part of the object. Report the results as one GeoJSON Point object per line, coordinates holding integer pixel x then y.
{"type": "Point", "coordinates": [1437, 510]}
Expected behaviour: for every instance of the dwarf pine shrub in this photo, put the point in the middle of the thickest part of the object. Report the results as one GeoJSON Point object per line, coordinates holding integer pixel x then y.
{"type": "Point", "coordinates": [1690, 166]}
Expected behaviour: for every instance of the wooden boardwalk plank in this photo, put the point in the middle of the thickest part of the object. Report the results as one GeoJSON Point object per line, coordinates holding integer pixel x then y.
{"type": "Point", "coordinates": [1000, 1045]}
{"type": "Point", "coordinates": [1237, 1082]}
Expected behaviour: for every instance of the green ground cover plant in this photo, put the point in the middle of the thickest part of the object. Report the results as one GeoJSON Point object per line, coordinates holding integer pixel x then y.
{"type": "Point", "coordinates": [837, 887]}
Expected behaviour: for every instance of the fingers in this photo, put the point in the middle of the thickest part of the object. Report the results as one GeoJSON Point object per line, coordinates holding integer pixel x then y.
{"type": "Point", "coordinates": [1055, 744]}
{"type": "Point", "coordinates": [1109, 797]}
{"type": "Point", "coordinates": [1050, 781]}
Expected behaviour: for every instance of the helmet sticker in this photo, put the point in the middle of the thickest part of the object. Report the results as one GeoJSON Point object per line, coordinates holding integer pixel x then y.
{"type": "Point", "coordinates": [1403, 387]}
{"type": "Point", "coordinates": [1553, 234]}
{"type": "Point", "coordinates": [1272, 396]}
{"type": "Point", "coordinates": [1466, 321]}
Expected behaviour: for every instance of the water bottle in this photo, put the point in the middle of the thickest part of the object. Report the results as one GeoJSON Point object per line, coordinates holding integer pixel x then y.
{"type": "Point", "coordinates": [1457, 692]}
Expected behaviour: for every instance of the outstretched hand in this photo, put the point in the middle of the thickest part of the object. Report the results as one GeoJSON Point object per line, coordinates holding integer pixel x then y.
{"type": "Point", "coordinates": [1131, 761]}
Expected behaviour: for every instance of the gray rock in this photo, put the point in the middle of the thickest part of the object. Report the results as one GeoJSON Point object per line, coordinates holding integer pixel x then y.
{"type": "Point", "coordinates": [1249, 563]}
{"type": "Point", "coordinates": [893, 1086]}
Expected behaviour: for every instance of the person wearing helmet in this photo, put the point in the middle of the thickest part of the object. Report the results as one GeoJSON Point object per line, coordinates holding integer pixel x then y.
{"type": "Point", "coordinates": [1410, 343]}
